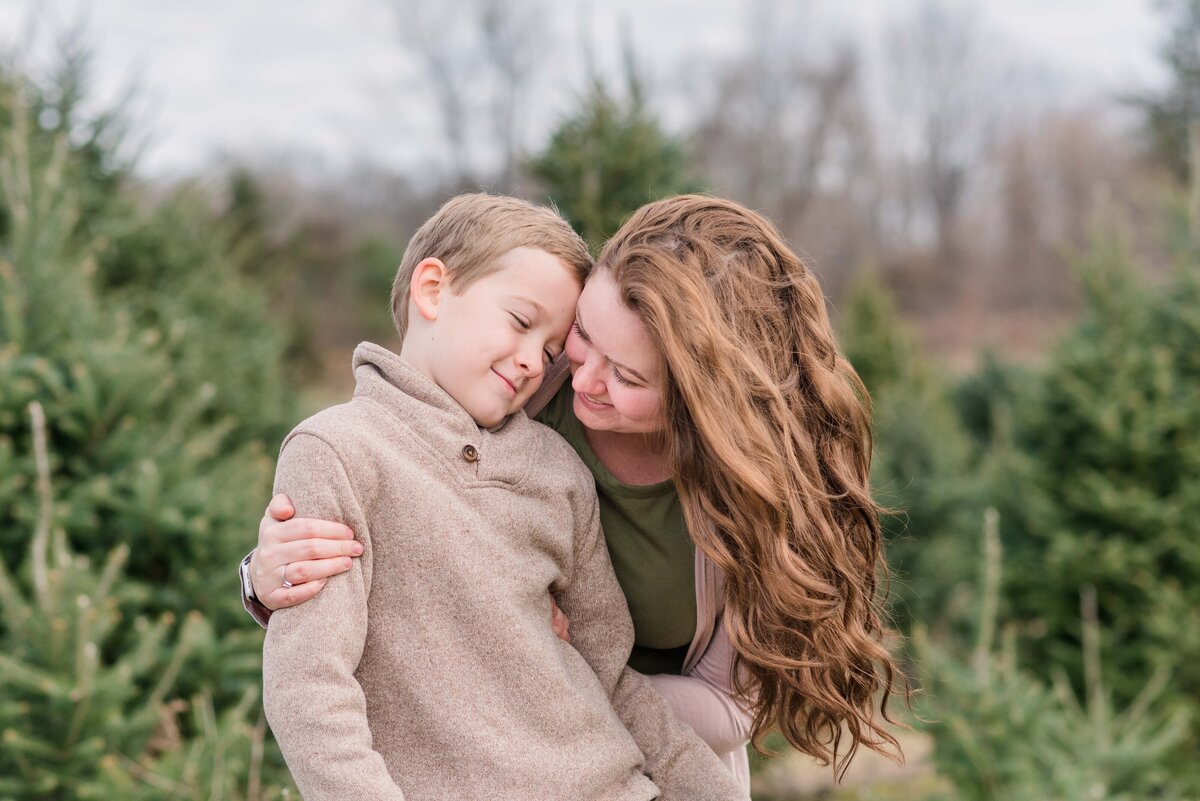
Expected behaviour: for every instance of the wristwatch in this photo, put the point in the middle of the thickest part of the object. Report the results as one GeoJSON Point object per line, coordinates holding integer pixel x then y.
{"type": "Point", "coordinates": [250, 602]}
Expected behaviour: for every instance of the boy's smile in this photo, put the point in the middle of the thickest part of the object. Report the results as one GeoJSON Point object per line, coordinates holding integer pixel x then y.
{"type": "Point", "coordinates": [488, 345]}
{"type": "Point", "coordinates": [507, 383]}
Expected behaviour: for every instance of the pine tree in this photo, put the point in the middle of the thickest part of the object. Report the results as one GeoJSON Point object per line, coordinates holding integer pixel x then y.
{"type": "Point", "coordinates": [608, 158]}
{"type": "Point", "coordinates": [159, 368]}
{"type": "Point", "coordinates": [1001, 732]}
{"type": "Point", "coordinates": [1103, 492]}
{"type": "Point", "coordinates": [161, 378]}
{"type": "Point", "coordinates": [85, 709]}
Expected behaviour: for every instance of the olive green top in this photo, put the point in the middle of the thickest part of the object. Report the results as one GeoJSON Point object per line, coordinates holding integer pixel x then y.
{"type": "Point", "coordinates": [651, 551]}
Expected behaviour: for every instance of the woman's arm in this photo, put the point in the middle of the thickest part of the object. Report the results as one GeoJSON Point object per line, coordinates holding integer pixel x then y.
{"type": "Point", "coordinates": [704, 700]}
{"type": "Point", "coordinates": [311, 550]}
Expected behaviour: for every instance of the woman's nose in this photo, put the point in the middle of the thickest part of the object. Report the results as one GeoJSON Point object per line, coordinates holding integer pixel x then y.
{"type": "Point", "coordinates": [588, 377]}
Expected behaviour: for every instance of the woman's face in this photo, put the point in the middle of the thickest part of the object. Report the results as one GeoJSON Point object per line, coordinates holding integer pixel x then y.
{"type": "Point", "coordinates": [614, 365]}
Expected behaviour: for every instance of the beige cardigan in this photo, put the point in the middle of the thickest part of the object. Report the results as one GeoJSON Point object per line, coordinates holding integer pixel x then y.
{"type": "Point", "coordinates": [428, 671]}
{"type": "Point", "coordinates": [702, 696]}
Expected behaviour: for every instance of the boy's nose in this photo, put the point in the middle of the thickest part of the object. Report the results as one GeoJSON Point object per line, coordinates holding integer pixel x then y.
{"type": "Point", "coordinates": [530, 362]}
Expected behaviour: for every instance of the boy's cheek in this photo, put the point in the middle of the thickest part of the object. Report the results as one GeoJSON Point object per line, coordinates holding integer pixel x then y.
{"type": "Point", "coordinates": [531, 386]}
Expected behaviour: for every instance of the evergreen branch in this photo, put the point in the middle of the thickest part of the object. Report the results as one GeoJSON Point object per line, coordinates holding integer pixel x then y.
{"type": "Point", "coordinates": [1147, 696]}
{"type": "Point", "coordinates": [41, 536]}
{"type": "Point", "coordinates": [257, 737]}
{"type": "Point", "coordinates": [17, 612]}
{"type": "Point", "coordinates": [183, 649]}
{"type": "Point", "coordinates": [87, 665]}
{"type": "Point", "coordinates": [151, 778]}
{"type": "Point", "coordinates": [991, 594]}
{"type": "Point", "coordinates": [10, 294]}
{"type": "Point", "coordinates": [1096, 702]}
{"type": "Point", "coordinates": [112, 569]}
{"type": "Point", "coordinates": [13, 672]}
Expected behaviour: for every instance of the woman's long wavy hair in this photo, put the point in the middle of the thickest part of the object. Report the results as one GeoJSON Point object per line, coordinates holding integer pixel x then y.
{"type": "Point", "coordinates": [769, 435]}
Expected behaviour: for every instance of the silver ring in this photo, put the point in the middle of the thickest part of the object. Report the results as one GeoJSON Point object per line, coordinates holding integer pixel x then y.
{"type": "Point", "coordinates": [286, 583]}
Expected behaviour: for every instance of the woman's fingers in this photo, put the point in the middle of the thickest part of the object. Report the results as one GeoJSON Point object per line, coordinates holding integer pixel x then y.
{"type": "Point", "coordinates": [559, 622]}
{"type": "Point", "coordinates": [300, 572]}
{"type": "Point", "coordinates": [280, 507]}
{"type": "Point", "coordinates": [266, 567]}
{"type": "Point", "coordinates": [313, 550]}
{"type": "Point", "coordinates": [290, 596]}
{"type": "Point", "coordinates": [304, 528]}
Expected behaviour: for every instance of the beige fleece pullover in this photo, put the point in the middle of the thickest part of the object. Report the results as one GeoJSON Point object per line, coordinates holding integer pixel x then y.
{"type": "Point", "coordinates": [429, 670]}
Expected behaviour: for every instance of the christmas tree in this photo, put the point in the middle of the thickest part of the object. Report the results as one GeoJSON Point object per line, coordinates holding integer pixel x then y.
{"type": "Point", "coordinates": [154, 375]}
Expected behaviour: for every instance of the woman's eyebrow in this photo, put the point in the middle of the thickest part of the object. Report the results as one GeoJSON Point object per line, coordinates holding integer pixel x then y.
{"type": "Point", "coordinates": [630, 370]}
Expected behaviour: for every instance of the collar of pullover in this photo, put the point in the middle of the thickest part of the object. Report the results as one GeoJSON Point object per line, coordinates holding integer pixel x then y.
{"type": "Point", "coordinates": [451, 435]}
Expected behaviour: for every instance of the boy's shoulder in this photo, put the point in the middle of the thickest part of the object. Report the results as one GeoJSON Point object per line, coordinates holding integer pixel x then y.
{"type": "Point", "coordinates": [340, 425]}
{"type": "Point", "coordinates": [557, 461]}
{"type": "Point", "coordinates": [363, 441]}
{"type": "Point", "coordinates": [353, 430]}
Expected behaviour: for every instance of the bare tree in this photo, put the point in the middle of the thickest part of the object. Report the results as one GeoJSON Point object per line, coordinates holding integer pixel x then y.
{"type": "Point", "coordinates": [941, 98]}
{"type": "Point", "coordinates": [477, 59]}
{"type": "Point", "coordinates": [513, 39]}
{"type": "Point", "coordinates": [780, 113]}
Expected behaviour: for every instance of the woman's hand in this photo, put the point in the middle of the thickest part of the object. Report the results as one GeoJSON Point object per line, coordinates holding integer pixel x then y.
{"type": "Point", "coordinates": [559, 622]}
{"type": "Point", "coordinates": [309, 550]}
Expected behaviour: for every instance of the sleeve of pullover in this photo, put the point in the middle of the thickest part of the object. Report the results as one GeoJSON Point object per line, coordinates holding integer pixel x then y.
{"type": "Point", "coordinates": [704, 700]}
{"type": "Point", "coordinates": [313, 702]}
{"type": "Point", "coordinates": [678, 761]}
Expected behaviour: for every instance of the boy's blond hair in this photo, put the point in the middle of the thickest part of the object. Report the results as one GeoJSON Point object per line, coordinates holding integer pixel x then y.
{"type": "Point", "coordinates": [470, 232]}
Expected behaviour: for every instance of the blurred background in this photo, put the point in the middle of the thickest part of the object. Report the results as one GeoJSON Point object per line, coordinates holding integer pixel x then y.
{"type": "Point", "coordinates": [202, 207]}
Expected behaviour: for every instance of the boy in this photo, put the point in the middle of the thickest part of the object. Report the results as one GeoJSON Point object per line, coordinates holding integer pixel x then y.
{"type": "Point", "coordinates": [438, 675]}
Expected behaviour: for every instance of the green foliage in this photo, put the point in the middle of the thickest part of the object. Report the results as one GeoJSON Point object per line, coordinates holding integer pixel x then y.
{"type": "Point", "coordinates": [161, 377]}
{"type": "Point", "coordinates": [227, 759]}
{"type": "Point", "coordinates": [1091, 460]}
{"type": "Point", "coordinates": [1103, 489]}
{"type": "Point", "coordinates": [50, 115]}
{"type": "Point", "coordinates": [607, 159]}
{"type": "Point", "coordinates": [1001, 733]}
{"type": "Point", "coordinates": [985, 399]}
{"type": "Point", "coordinates": [84, 710]}
{"type": "Point", "coordinates": [920, 469]}
{"type": "Point", "coordinates": [160, 373]}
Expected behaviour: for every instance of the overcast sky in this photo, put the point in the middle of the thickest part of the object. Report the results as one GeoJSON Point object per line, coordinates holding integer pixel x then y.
{"type": "Point", "coordinates": [255, 77]}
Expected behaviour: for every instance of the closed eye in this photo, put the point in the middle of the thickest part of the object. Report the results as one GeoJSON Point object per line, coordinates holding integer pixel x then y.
{"type": "Point", "coordinates": [521, 322]}
{"type": "Point", "coordinates": [622, 379]}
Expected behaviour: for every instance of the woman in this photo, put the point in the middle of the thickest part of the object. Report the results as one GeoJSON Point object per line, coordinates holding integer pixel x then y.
{"type": "Point", "coordinates": [730, 442]}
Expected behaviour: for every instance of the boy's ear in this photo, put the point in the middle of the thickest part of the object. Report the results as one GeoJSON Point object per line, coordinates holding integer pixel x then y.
{"type": "Point", "coordinates": [429, 281]}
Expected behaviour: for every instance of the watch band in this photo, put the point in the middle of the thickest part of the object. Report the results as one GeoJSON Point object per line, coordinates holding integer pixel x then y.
{"type": "Point", "coordinates": [250, 602]}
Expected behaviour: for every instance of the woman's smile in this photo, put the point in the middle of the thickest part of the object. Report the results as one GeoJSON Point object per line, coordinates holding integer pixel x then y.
{"type": "Point", "coordinates": [593, 402]}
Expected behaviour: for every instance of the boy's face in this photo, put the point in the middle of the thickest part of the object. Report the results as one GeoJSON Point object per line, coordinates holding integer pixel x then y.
{"type": "Point", "coordinates": [489, 345]}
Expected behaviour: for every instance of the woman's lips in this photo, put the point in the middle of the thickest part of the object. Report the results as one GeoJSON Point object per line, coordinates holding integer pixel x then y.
{"type": "Point", "coordinates": [590, 401]}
